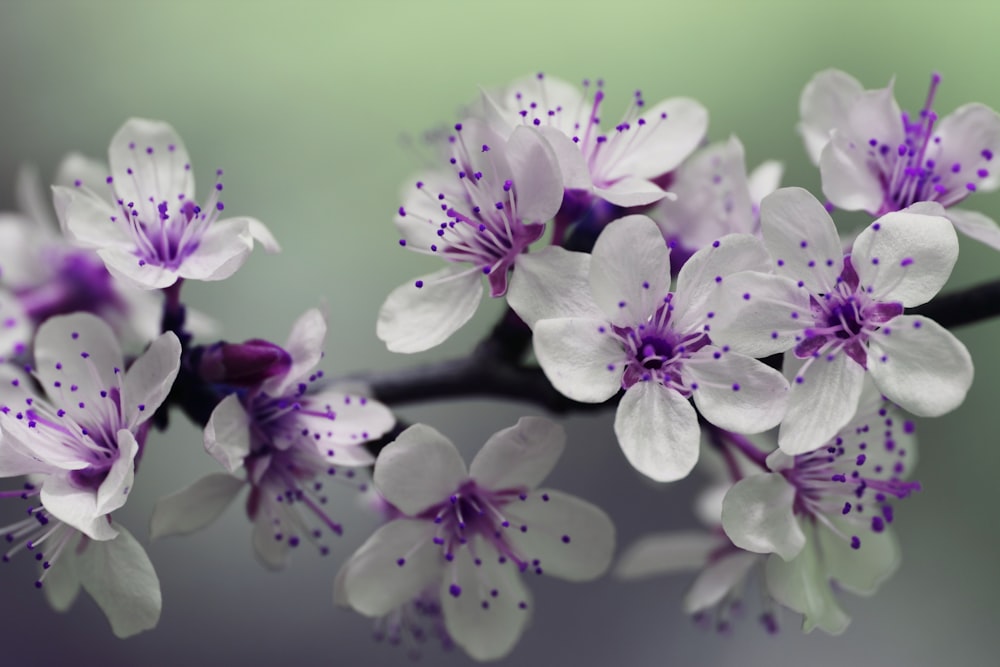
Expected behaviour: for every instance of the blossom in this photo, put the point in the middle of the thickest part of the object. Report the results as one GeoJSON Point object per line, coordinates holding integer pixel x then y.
{"type": "Point", "coordinates": [286, 435]}
{"type": "Point", "coordinates": [608, 321]}
{"type": "Point", "coordinates": [619, 165]}
{"type": "Point", "coordinates": [83, 437]}
{"type": "Point", "coordinates": [479, 217]}
{"type": "Point", "coordinates": [875, 158]}
{"type": "Point", "coordinates": [715, 197]}
{"type": "Point", "coordinates": [149, 230]}
{"type": "Point", "coordinates": [843, 315]}
{"type": "Point", "coordinates": [469, 533]}
{"type": "Point", "coordinates": [825, 515]}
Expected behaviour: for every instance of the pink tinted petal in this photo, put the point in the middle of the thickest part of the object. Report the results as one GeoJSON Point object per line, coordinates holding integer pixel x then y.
{"type": "Point", "coordinates": [86, 219]}
{"type": "Point", "coordinates": [905, 257]}
{"type": "Point", "coordinates": [875, 115]}
{"type": "Point", "coordinates": [848, 181]}
{"type": "Point", "coordinates": [572, 165]}
{"type": "Point", "coordinates": [798, 231]}
{"type": "Point", "coordinates": [538, 183]}
{"type": "Point", "coordinates": [222, 250]}
{"type": "Point", "coordinates": [15, 326]}
{"type": "Point", "coordinates": [418, 469]}
{"type": "Point", "coordinates": [966, 134]}
{"type": "Point", "coordinates": [582, 358]}
{"type": "Point", "coordinates": [658, 431]}
{"type": "Point", "coordinates": [519, 456]}
{"type": "Point", "coordinates": [672, 130]}
{"type": "Point", "coordinates": [824, 106]}
{"type": "Point", "coordinates": [920, 365]}
{"type": "Point", "coordinates": [824, 397]}
{"type": "Point", "coordinates": [630, 269]}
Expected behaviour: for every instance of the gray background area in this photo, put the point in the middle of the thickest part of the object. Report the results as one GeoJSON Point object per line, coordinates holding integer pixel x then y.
{"type": "Point", "coordinates": [304, 105]}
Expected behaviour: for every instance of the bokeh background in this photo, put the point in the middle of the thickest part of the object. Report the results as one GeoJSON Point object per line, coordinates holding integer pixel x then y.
{"type": "Point", "coordinates": [307, 106]}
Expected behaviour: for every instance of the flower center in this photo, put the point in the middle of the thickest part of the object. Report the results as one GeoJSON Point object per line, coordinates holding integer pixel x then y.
{"type": "Point", "coordinates": [655, 352]}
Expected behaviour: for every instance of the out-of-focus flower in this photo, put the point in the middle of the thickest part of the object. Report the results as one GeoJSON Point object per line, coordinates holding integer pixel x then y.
{"type": "Point", "coordinates": [469, 533]}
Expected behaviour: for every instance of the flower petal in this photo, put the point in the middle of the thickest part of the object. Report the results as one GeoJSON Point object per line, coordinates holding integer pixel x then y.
{"type": "Point", "coordinates": [848, 181]}
{"type": "Point", "coordinates": [905, 257]}
{"type": "Point", "coordinates": [824, 397]}
{"type": "Point", "coordinates": [114, 490]}
{"type": "Point", "coordinates": [735, 392]}
{"type": "Point", "coordinates": [86, 219]}
{"type": "Point", "coordinates": [760, 314]}
{"type": "Point", "coordinates": [191, 509]}
{"type": "Point", "coordinates": [630, 191]}
{"type": "Point", "coordinates": [572, 164]}
{"type": "Point", "coordinates": [717, 580]}
{"type": "Point", "coordinates": [487, 627]}
{"type": "Point", "coordinates": [122, 581]}
{"type": "Point", "coordinates": [757, 515]}
{"type": "Point", "coordinates": [419, 469]}
{"type": "Point", "coordinates": [519, 456]}
{"type": "Point", "coordinates": [802, 585]}
{"type": "Point", "coordinates": [658, 431]}
{"type": "Point", "coordinates": [124, 265]}
{"type": "Point", "coordinates": [150, 378]}
{"type": "Point", "coordinates": [76, 507]}
{"type": "Point", "coordinates": [630, 269]}
{"type": "Point", "coordinates": [824, 106]}
{"type": "Point", "coordinates": [414, 319]}
{"type": "Point", "coordinates": [581, 358]}
{"type": "Point", "coordinates": [551, 284]}
{"type": "Point", "coordinates": [227, 433]}
{"type": "Point", "coordinates": [570, 538]}
{"type": "Point", "coordinates": [62, 585]}
{"type": "Point", "coordinates": [149, 164]}
{"type": "Point", "coordinates": [538, 183]}
{"type": "Point", "coordinates": [968, 135]}
{"type": "Point", "coordinates": [861, 570]}
{"type": "Point", "coordinates": [666, 553]}
{"type": "Point", "coordinates": [305, 346]}
{"type": "Point", "coordinates": [764, 179]}
{"type": "Point", "coordinates": [920, 365]}
{"type": "Point", "coordinates": [797, 231]}
{"type": "Point", "coordinates": [672, 130]}
{"type": "Point", "coordinates": [976, 226]}
{"type": "Point", "coordinates": [222, 250]}
{"type": "Point", "coordinates": [373, 581]}
{"type": "Point", "coordinates": [262, 235]}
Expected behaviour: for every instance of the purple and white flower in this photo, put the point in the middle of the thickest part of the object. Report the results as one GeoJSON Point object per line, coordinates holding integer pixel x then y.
{"type": "Point", "coordinates": [148, 228]}
{"type": "Point", "coordinates": [619, 165]}
{"type": "Point", "coordinates": [608, 321]}
{"type": "Point", "coordinates": [824, 516]}
{"type": "Point", "coordinates": [479, 217]}
{"type": "Point", "coordinates": [843, 315]}
{"type": "Point", "coordinates": [715, 197]}
{"type": "Point", "coordinates": [470, 533]}
{"type": "Point", "coordinates": [875, 158]}
{"type": "Point", "coordinates": [286, 435]}
{"type": "Point", "coordinates": [83, 436]}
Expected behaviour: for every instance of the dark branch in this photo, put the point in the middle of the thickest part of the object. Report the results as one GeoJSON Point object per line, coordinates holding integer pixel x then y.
{"type": "Point", "coordinates": [967, 306]}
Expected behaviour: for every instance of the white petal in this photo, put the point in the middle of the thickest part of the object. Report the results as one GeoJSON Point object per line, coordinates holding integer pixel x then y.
{"type": "Point", "coordinates": [658, 431]}
{"type": "Point", "coordinates": [124, 265]}
{"type": "Point", "coordinates": [764, 180]}
{"type": "Point", "coordinates": [976, 226]}
{"type": "Point", "coordinates": [150, 377]}
{"type": "Point", "coordinates": [848, 181]}
{"type": "Point", "coordinates": [15, 326]}
{"type": "Point", "coordinates": [75, 507]}
{"type": "Point", "coordinates": [756, 314]}
{"type": "Point", "coordinates": [582, 358]}
{"type": "Point", "coordinates": [120, 578]}
{"type": "Point", "coordinates": [223, 249]}
{"type": "Point", "coordinates": [270, 552]}
{"type": "Point", "coordinates": [824, 397]}
{"type": "Point", "coordinates": [905, 257]}
{"type": "Point", "coordinates": [86, 219]}
{"type": "Point", "coordinates": [861, 570]}
{"type": "Point", "coordinates": [551, 284]}
{"type": "Point", "coordinates": [802, 585]}
{"type": "Point", "coordinates": [630, 269]}
{"type": "Point", "coordinates": [227, 433]}
{"type": "Point", "coordinates": [673, 129]}
{"type": "Point", "coordinates": [875, 114]}
{"type": "Point", "coordinates": [414, 319]}
{"type": "Point", "coordinates": [194, 507]}
{"type": "Point", "coordinates": [570, 538]}
{"type": "Point", "coordinates": [419, 469]}
{"type": "Point", "coordinates": [717, 580]}
{"type": "Point", "coordinates": [967, 132]}
{"type": "Point", "coordinates": [161, 173]}
{"type": "Point", "coordinates": [538, 183]}
{"type": "Point", "coordinates": [114, 489]}
{"type": "Point", "coordinates": [305, 346]}
{"type": "Point", "coordinates": [572, 165]}
{"type": "Point", "coordinates": [757, 515]}
{"type": "Point", "coordinates": [89, 172]}
{"type": "Point", "coordinates": [355, 420]}
{"type": "Point", "coordinates": [519, 456]}
{"type": "Point", "coordinates": [706, 272]}
{"type": "Point", "coordinates": [666, 553]}
{"type": "Point", "coordinates": [920, 365]}
{"type": "Point", "coordinates": [262, 235]}
{"type": "Point", "coordinates": [797, 231]}
{"type": "Point", "coordinates": [373, 581]}
{"type": "Point", "coordinates": [630, 191]}
{"type": "Point", "coordinates": [62, 585]}
{"type": "Point", "coordinates": [824, 106]}
{"type": "Point", "coordinates": [735, 392]}
{"type": "Point", "coordinates": [486, 633]}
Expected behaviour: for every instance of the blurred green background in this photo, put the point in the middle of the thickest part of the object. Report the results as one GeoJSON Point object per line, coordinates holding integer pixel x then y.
{"type": "Point", "coordinates": [305, 106]}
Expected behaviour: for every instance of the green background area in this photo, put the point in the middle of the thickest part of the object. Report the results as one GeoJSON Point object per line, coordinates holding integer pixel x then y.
{"type": "Point", "coordinates": [307, 107]}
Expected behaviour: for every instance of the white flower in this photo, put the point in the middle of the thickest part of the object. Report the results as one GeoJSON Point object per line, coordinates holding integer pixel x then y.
{"type": "Point", "coordinates": [287, 436]}
{"type": "Point", "coordinates": [608, 321]}
{"type": "Point", "coordinates": [825, 515]}
{"type": "Point", "coordinates": [84, 435]}
{"type": "Point", "coordinates": [151, 232]}
{"type": "Point", "coordinates": [479, 217]}
{"type": "Point", "coordinates": [471, 532]}
{"type": "Point", "coordinates": [875, 158]}
{"type": "Point", "coordinates": [618, 165]}
{"type": "Point", "coordinates": [715, 197]}
{"type": "Point", "coordinates": [843, 315]}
